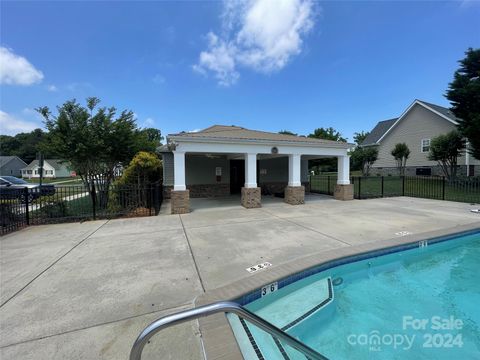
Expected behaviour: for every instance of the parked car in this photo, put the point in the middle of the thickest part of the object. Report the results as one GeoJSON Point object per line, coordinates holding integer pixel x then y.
{"type": "Point", "coordinates": [12, 187]}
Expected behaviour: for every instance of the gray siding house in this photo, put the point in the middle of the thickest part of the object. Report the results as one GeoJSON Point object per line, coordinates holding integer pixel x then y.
{"type": "Point", "coordinates": [11, 166]}
{"type": "Point", "coordinates": [419, 123]}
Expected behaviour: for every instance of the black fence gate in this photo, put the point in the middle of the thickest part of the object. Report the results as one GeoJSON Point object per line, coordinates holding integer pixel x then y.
{"type": "Point", "coordinates": [23, 207]}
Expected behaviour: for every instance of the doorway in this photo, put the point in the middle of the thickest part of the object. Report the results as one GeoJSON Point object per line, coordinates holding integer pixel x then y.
{"type": "Point", "coordinates": [237, 176]}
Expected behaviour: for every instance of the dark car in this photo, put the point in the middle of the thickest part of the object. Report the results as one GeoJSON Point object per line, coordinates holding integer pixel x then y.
{"type": "Point", "coordinates": [12, 187]}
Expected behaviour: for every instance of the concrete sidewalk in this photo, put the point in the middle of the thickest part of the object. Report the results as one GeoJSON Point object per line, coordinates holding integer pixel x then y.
{"type": "Point", "coordinates": [85, 291]}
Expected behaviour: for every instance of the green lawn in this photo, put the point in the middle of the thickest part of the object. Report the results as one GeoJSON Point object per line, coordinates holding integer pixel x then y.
{"type": "Point", "coordinates": [66, 181]}
{"type": "Point", "coordinates": [463, 190]}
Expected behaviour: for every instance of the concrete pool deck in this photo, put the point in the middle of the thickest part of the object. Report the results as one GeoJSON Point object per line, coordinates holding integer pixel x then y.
{"type": "Point", "coordinates": [86, 290]}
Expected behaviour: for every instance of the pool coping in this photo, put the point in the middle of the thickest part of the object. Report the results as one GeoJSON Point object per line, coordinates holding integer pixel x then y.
{"type": "Point", "coordinates": [217, 336]}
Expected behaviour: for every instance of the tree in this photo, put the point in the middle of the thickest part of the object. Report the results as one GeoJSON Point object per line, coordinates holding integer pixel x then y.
{"type": "Point", "coordinates": [94, 143]}
{"type": "Point", "coordinates": [445, 149]}
{"type": "Point", "coordinates": [152, 135]}
{"type": "Point", "coordinates": [144, 169]}
{"type": "Point", "coordinates": [327, 134]}
{"type": "Point", "coordinates": [464, 95]}
{"type": "Point", "coordinates": [286, 132]}
{"type": "Point", "coordinates": [364, 157]}
{"type": "Point", "coordinates": [359, 137]}
{"type": "Point", "coordinates": [401, 152]}
{"type": "Point", "coordinates": [327, 164]}
{"type": "Point", "coordinates": [24, 145]}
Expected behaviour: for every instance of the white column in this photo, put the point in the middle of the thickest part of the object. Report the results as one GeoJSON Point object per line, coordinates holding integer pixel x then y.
{"type": "Point", "coordinates": [179, 171]}
{"type": "Point", "coordinates": [343, 170]}
{"type": "Point", "coordinates": [294, 170]}
{"type": "Point", "coordinates": [250, 170]}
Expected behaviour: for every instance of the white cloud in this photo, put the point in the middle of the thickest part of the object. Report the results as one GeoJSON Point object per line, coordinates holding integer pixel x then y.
{"type": "Point", "coordinates": [52, 88]}
{"type": "Point", "coordinates": [10, 125]}
{"type": "Point", "coordinates": [262, 35]}
{"type": "Point", "coordinates": [220, 59]}
{"type": "Point", "coordinates": [149, 122]}
{"type": "Point", "coordinates": [16, 70]}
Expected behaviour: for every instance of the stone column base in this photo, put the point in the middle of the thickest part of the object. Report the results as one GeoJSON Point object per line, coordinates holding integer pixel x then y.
{"type": "Point", "coordinates": [343, 192]}
{"type": "Point", "coordinates": [295, 195]}
{"type": "Point", "coordinates": [180, 201]}
{"type": "Point", "coordinates": [251, 197]}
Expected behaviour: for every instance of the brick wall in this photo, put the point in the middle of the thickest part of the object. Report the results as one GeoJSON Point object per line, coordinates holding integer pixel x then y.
{"type": "Point", "coordinates": [202, 191]}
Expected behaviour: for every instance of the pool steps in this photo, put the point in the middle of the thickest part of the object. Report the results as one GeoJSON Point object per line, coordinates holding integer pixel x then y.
{"type": "Point", "coordinates": [286, 312]}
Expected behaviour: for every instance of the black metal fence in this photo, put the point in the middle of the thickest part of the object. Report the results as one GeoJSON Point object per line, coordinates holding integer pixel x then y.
{"type": "Point", "coordinates": [23, 207]}
{"type": "Point", "coordinates": [465, 189]}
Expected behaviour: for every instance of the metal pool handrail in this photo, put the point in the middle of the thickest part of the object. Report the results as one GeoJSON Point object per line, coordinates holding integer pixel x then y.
{"type": "Point", "coordinates": [219, 307]}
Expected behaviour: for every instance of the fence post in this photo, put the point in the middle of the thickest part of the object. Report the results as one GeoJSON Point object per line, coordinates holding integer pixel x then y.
{"type": "Point", "coordinates": [382, 185]}
{"type": "Point", "coordinates": [94, 201]}
{"type": "Point", "coordinates": [403, 185]}
{"type": "Point", "coordinates": [443, 188]}
{"type": "Point", "coordinates": [27, 210]}
{"type": "Point", "coordinates": [359, 187]}
{"type": "Point", "coordinates": [328, 184]}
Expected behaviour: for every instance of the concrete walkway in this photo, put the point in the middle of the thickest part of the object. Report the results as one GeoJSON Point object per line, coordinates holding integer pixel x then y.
{"type": "Point", "coordinates": [85, 291]}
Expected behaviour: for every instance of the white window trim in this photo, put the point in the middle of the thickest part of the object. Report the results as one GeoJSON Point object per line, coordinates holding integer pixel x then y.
{"type": "Point", "coordinates": [422, 146]}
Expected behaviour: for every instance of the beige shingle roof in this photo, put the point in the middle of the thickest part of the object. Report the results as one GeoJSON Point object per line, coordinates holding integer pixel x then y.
{"type": "Point", "coordinates": [225, 132]}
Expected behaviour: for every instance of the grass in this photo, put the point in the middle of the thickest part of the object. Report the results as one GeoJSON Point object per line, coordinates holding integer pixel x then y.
{"type": "Point", "coordinates": [71, 181]}
{"type": "Point", "coordinates": [423, 187]}
{"type": "Point", "coordinates": [55, 209]}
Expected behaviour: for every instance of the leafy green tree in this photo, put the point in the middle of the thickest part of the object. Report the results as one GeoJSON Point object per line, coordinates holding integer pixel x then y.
{"type": "Point", "coordinates": [8, 145]}
{"type": "Point", "coordinates": [327, 134]}
{"type": "Point", "coordinates": [152, 136]}
{"type": "Point", "coordinates": [401, 152]}
{"type": "Point", "coordinates": [464, 95]}
{"type": "Point", "coordinates": [24, 145]}
{"type": "Point", "coordinates": [286, 132]}
{"type": "Point", "coordinates": [144, 169]}
{"type": "Point", "coordinates": [363, 158]}
{"type": "Point", "coordinates": [359, 137]}
{"type": "Point", "coordinates": [328, 164]}
{"type": "Point", "coordinates": [94, 141]}
{"type": "Point", "coordinates": [445, 149]}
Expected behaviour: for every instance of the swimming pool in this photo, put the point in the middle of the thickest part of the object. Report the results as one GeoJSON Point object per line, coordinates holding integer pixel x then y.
{"type": "Point", "coordinates": [420, 301]}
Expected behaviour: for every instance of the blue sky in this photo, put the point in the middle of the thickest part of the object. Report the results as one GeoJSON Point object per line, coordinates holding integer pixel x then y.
{"type": "Point", "coordinates": [188, 65]}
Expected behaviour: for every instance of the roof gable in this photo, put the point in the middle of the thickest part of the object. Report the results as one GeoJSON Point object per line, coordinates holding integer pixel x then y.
{"type": "Point", "coordinates": [384, 129]}
{"type": "Point", "coordinates": [378, 131]}
{"type": "Point", "coordinates": [4, 160]}
{"type": "Point", "coordinates": [225, 132]}
{"type": "Point", "coordinates": [440, 110]}
{"type": "Point", "coordinates": [54, 163]}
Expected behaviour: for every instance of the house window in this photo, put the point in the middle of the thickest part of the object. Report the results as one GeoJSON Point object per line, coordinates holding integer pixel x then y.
{"type": "Point", "coordinates": [425, 145]}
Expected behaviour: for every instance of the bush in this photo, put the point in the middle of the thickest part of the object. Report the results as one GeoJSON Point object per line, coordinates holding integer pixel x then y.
{"type": "Point", "coordinates": [144, 169]}
{"type": "Point", "coordinates": [54, 208]}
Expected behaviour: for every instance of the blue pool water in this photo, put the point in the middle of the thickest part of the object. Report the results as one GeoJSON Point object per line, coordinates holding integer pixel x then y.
{"type": "Point", "coordinates": [422, 303]}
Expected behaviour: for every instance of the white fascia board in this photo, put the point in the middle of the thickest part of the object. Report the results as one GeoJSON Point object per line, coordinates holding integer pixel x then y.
{"type": "Point", "coordinates": [185, 139]}
{"type": "Point", "coordinates": [416, 102]}
{"type": "Point", "coordinates": [436, 112]}
{"type": "Point", "coordinates": [227, 148]}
